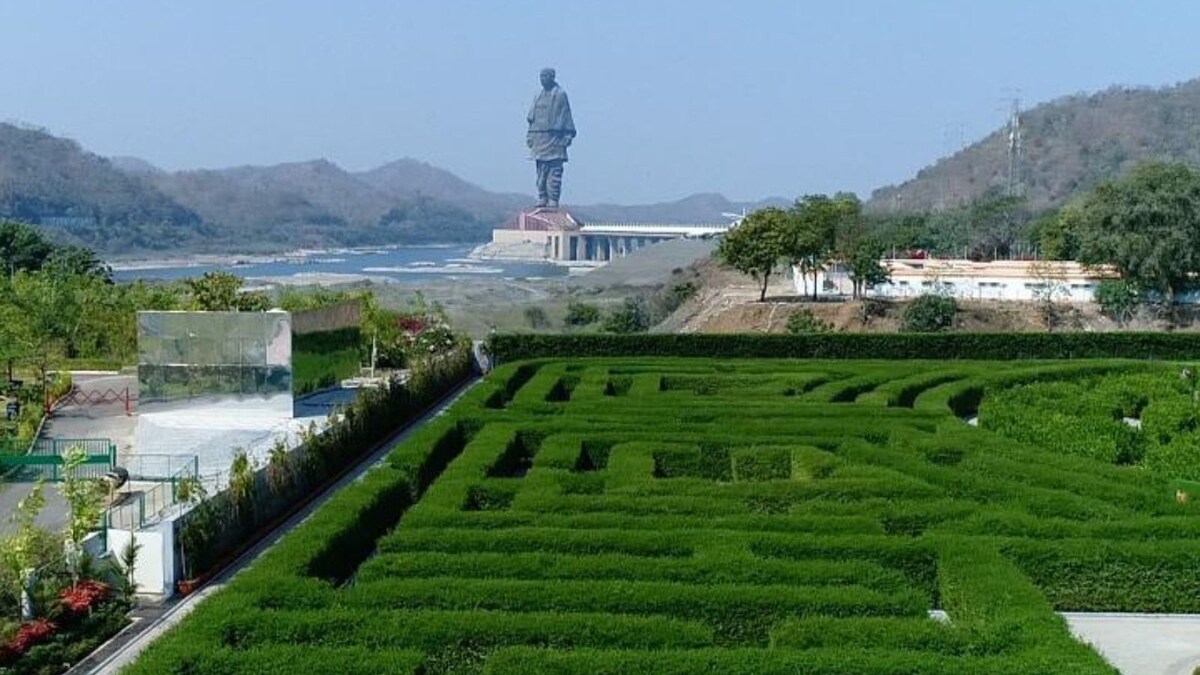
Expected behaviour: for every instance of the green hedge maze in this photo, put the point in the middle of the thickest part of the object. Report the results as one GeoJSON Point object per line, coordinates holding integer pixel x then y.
{"type": "Point", "coordinates": [673, 515]}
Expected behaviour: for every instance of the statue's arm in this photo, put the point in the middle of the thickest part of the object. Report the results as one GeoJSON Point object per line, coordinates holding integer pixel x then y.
{"type": "Point", "coordinates": [568, 123]}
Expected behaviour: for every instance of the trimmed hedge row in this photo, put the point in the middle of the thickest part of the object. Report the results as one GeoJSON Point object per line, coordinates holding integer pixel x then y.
{"type": "Point", "coordinates": [1089, 575]}
{"type": "Point", "coordinates": [734, 568]}
{"type": "Point", "coordinates": [832, 661]}
{"type": "Point", "coordinates": [533, 539]}
{"type": "Point", "coordinates": [434, 630]}
{"type": "Point", "coordinates": [937, 346]}
{"type": "Point", "coordinates": [186, 657]}
{"type": "Point", "coordinates": [921, 634]}
{"type": "Point", "coordinates": [738, 613]}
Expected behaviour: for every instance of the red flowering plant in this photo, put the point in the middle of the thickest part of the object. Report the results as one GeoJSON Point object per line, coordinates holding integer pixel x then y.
{"type": "Point", "coordinates": [30, 633]}
{"type": "Point", "coordinates": [422, 335]}
{"type": "Point", "coordinates": [83, 597]}
{"type": "Point", "coordinates": [410, 325]}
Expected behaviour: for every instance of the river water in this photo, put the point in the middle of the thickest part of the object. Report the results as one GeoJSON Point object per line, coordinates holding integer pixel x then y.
{"type": "Point", "coordinates": [402, 264]}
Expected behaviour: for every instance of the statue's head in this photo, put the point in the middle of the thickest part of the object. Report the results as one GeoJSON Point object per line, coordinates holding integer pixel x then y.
{"type": "Point", "coordinates": [547, 77]}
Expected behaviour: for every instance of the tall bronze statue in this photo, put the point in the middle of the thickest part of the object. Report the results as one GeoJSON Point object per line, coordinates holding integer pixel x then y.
{"type": "Point", "coordinates": [551, 130]}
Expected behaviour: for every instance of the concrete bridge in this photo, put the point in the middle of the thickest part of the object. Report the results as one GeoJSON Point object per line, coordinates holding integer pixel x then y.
{"type": "Point", "coordinates": [604, 241]}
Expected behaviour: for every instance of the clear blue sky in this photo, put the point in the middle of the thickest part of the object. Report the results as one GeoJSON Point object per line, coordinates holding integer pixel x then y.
{"type": "Point", "coordinates": [671, 97]}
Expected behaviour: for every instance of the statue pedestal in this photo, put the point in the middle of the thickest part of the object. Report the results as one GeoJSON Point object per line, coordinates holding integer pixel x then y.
{"type": "Point", "coordinates": [557, 227]}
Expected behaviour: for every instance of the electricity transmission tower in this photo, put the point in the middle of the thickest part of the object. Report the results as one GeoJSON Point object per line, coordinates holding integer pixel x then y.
{"type": "Point", "coordinates": [1014, 148]}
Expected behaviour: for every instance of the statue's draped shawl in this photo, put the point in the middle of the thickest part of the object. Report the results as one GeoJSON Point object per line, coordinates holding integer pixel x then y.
{"type": "Point", "coordinates": [550, 125]}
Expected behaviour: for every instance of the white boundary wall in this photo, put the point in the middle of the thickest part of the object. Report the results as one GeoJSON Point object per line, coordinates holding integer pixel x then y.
{"type": "Point", "coordinates": [1062, 281]}
{"type": "Point", "coordinates": [154, 571]}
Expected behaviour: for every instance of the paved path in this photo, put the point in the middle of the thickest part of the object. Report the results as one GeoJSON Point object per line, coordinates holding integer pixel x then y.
{"type": "Point", "coordinates": [1142, 644]}
{"type": "Point", "coordinates": [97, 420]}
{"type": "Point", "coordinates": [52, 517]}
{"type": "Point", "coordinates": [112, 657]}
{"type": "Point", "coordinates": [72, 421]}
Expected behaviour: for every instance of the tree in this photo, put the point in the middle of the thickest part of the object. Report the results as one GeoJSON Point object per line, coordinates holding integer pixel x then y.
{"type": "Point", "coordinates": [863, 263]}
{"type": "Point", "coordinates": [125, 565]}
{"type": "Point", "coordinates": [1050, 288]}
{"type": "Point", "coordinates": [48, 307]}
{"type": "Point", "coordinates": [755, 246]}
{"type": "Point", "coordinates": [994, 223]}
{"type": "Point", "coordinates": [78, 260]}
{"type": "Point", "coordinates": [220, 292]}
{"type": "Point", "coordinates": [22, 248]}
{"type": "Point", "coordinates": [810, 231]}
{"type": "Point", "coordinates": [85, 498]}
{"type": "Point", "coordinates": [1054, 234]}
{"type": "Point", "coordinates": [1146, 225]}
{"type": "Point", "coordinates": [24, 552]}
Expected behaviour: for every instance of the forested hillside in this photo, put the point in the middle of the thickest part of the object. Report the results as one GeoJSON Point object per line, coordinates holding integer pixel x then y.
{"type": "Point", "coordinates": [1069, 145]}
{"type": "Point", "coordinates": [84, 199]}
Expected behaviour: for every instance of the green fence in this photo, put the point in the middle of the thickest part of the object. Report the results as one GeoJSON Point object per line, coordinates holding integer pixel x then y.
{"type": "Point", "coordinates": [45, 460]}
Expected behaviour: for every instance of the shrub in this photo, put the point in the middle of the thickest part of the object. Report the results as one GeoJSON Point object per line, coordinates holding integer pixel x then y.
{"type": "Point", "coordinates": [805, 321]}
{"type": "Point", "coordinates": [929, 314]}
{"type": "Point", "coordinates": [536, 317]}
{"type": "Point", "coordinates": [679, 294]}
{"type": "Point", "coordinates": [631, 317]}
{"type": "Point", "coordinates": [1118, 299]}
{"type": "Point", "coordinates": [581, 314]}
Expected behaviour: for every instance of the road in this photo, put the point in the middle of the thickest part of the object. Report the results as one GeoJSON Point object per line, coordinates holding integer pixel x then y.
{"type": "Point", "coordinates": [106, 420]}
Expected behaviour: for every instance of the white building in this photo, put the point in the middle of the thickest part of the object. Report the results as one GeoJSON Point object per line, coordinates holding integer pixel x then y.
{"type": "Point", "coordinates": [1061, 281]}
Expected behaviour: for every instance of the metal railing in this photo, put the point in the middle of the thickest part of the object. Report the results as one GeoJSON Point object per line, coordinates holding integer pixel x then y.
{"type": "Point", "coordinates": [160, 467]}
{"type": "Point", "coordinates": [170, 476]}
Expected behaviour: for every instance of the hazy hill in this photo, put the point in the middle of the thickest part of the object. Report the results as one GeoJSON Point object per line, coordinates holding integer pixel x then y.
{"type": "Point", "coordinates": [1069, 144]}
{"type": "Point", "coordinates": [127, 205]}
{"type": "Point", "coordinates": [83, 198]}
{"type": "Point", "coordinates": [412, 178]}
{"type": "Point", "coordinates": [698, 208]}
{"type": "Point", "coordinates": [318, 182]}
{"type": "Point", "coordinates": [133, 164]}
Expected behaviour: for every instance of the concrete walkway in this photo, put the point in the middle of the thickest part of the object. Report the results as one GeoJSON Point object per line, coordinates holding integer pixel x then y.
{"type": "Point", "coordinates": [107, 420]}
{"type": "Point", "coordinates": [125, 649]}
{"type": "Point", "coordinates": [1142, 644]}
{"type": "Point", "coordinates": [52, 517]}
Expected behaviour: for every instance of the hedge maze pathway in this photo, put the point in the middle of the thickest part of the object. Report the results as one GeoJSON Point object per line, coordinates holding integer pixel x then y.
{"type": "Point", "coordinates": [684, 516]}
